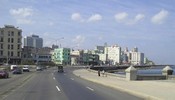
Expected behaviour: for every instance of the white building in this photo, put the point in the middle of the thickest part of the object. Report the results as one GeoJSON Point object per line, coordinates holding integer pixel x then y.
{"type": "Point", "coordinates": [103, 58]}
{"type": "Point", "coordinates": [137, 58]}
{"type": "Point", "coordinates": [113, 54]}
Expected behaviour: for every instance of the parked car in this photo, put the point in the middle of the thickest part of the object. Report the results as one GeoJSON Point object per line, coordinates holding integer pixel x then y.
{"type": "Point", "coordinates": [17, 71]}
{"type": "Point", "coordinates": [39, 68]}
{"type": "Point", "coordinates": [4, 74]}
{"type": "Point", "coordinates": [25, 69]}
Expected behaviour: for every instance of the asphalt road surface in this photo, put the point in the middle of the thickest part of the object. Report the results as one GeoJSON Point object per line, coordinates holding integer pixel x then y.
{"type": "Point", "coordinates": [51, 85]}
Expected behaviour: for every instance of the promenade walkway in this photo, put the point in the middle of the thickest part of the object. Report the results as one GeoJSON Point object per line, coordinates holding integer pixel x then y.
{"type": "Point", "coordinates": [150, 90]}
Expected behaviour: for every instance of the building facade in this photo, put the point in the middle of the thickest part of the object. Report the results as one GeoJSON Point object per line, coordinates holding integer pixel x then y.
{"type": "Point", "coordinates": [113, 54]}
{"type": "Point", "coordinates": [33, 41]}
{"type": "Point", "coordinates": [61, 56]}
{"type": "Point", "coordinates": [10, 45]}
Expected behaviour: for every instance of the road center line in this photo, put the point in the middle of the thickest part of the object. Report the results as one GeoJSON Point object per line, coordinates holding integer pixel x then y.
{"type": "Point", "coordinates": [58, 88]}
{"type": "Point", "coordinates": [54, 78]}
{"type": "Point", "coordinates": [90, 88]}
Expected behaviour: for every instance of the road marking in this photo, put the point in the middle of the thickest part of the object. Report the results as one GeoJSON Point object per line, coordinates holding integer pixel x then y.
{"type": "Point", "coordinates": [64, 74]}
{"type": "Point", "coordinates": [54, 78]}
{"type": "Point", "coordinates": [58, 88]}
{"type": "Point", "coordinates": [90, 88]}
{"type": "Point", "coordinates": [72, 78]}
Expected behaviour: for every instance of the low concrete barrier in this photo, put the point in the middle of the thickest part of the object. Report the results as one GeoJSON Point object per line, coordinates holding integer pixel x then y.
{"type": "Point", "coordinates": [151, 77]}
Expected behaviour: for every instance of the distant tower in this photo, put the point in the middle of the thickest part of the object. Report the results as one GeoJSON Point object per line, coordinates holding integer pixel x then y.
{"type": "Point", "coordinates": [105, 44]}
{"type": "Point", "coordinates": [135, 49]}
{"type": "Point", "coordinates": [33, 41]}
{"type": "Point", "coordinates": [126, 49]}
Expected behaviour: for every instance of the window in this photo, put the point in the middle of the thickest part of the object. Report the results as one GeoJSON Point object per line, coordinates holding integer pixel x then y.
{"type": "Point", "coordinates": [18, 46]}
{"type": "Point", "coordinates": [19, 40]}
{"type": "Point", "coordinates": [8, 40]}
{"type": "Point", "coordinates": [1, 53]}
{"type": "Point", "coordinates": [8, 33]}
{"type": "Point", "coordinates": [12, 33]}
{"type": "Point", "coordinates": [12, 53]}
{"type": "Point", "coordinates": [2, 32]}
{"type": "Point", "coordinates": [19, 33]}
{"type": "Point", "coordinates": [1, 40]}
{"type": "Point", "coordinates": [18, 54]}
{"type": "Point", "coordinates": [1, 46]}
{"type": "Point", "coordinates": [8, 53]}
{"type": "Point", "coordinates": [8, 46]}
{"type": "Point", "coordinates": [11, 47]}
{"type": "Point", "coordinates": [12, 40]}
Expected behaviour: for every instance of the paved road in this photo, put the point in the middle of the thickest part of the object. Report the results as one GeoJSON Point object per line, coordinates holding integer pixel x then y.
{"type": "Point", "coordinates": [50, 85]}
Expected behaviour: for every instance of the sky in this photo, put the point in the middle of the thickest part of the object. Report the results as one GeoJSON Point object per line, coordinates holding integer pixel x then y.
{"type": "Point", "coordinates": [84, 24]}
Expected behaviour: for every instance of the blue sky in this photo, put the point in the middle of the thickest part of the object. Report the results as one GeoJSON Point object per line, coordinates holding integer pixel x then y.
{"type": "Point", "coordinates": [147, 24]}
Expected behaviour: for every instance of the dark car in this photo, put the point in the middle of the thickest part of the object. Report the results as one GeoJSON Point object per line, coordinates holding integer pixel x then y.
{"type": "Point", "coordinates": [17, 71]}
{"type": "Point", "coordinates": [60, 69]}
{"type": "Point", "coordinates": [4, 74]}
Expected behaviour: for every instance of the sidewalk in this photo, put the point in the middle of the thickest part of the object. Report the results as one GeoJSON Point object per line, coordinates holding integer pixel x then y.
{"type": "Point", "coordinates": [150, 90]}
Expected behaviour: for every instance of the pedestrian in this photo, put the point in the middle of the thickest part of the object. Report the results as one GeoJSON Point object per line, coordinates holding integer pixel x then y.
{"type": "Point", "coordinates": [98, 72]}
{"type": "Point", "coordinates": [103, 72]}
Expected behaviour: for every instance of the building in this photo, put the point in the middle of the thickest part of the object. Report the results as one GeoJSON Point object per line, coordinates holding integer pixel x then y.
{"type": "Point", "coordinates": [10, 44]}
{"type": "Point", "coordinates": [33, 41]}
{"type": "Point", "coordinates": [61, 56]}
{"type": "Point", "coordinates": [133, 57]}
{"type": "Point", "coordinates": [113, 54]}
{"type": "Point", "coordinates": [136, 58]}
{"type": "Point", "coordinates": [76, 57]}
{"type": "Point", "coordinates": [36, 55]}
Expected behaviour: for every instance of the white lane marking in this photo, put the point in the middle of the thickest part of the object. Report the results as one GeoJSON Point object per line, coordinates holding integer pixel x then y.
{"type": "Point", "coordinates": [58, 88]}
{"type": "Point", "coordinates": [72, 78]}
{"type": "Point", "coordinates": [54, 78]}
{"type": "Point", "coordinates": [90, 88]}
{"type": "Point", "coordinates": [64, 74]}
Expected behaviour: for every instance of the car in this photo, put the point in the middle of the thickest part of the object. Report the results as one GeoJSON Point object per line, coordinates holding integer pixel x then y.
{"type": "Point", "coordinates": [60, 69]}
{"type": "Point", "coordinates": [17, 71]}
{"type": "Point", "coordinates": [4, 74]}
{"type": "Point", "coordinates": [39, 68]}
{"type": "Point", "coordinates": [25, 69]}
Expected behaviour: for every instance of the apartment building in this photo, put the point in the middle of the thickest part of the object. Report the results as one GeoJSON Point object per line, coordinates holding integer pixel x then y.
{"type": "Point", "coordinates": [10, 44]}
{"type": "Point", "coordinates": [33, 41]}
{"type": "Point", "coordinates": [113, 54]}
{"type": "Point", "coordinates": [61, 56]}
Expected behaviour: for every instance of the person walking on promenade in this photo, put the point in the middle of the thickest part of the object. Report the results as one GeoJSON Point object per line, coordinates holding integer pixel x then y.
{"type": "Point", "coordinates": [98, 72]}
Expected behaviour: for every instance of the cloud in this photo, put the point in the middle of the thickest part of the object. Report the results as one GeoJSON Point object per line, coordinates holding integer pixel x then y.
{"type": "Point", "coordinates": [51, 23]}
{"type": "Point", "coordinates": [159, 17]}
{"type": "Point", "coordinates": [96, 17]}
{"type": "Point", "coordinates": [139, 17]}
{"type": "Point", "coordinates": [21, 12]}
{"type": "Point", "coordinates": [78, 40]}
{"type": "Point", "coordinates": [77, 17]}
{"type": "Point", "coordinates": [121, 16]}
{"type": "Point", "coordinates": [22, 15]}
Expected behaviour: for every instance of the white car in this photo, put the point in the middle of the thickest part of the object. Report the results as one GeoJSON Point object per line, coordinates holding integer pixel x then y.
{"type": "Point", "coordinates": [25, 69]}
